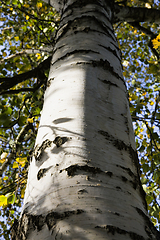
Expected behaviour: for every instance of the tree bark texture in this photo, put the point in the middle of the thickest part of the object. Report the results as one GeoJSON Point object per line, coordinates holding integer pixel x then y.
{"type": "Point", "coordinates": [83, 180]}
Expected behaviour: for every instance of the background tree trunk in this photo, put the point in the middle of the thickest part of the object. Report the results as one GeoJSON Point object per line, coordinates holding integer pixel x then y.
{"type": "Point", "coordinates": [83, 180]}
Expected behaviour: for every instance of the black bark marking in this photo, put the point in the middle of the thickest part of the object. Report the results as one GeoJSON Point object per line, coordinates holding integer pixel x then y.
{"type": "Point", "coordinates": [49, 82]}
{"type": "Point", "coordinates": [112, 51]}
{"type": "Point", "coordinates": [108, 82]}
{"type": "Point", "coordinates": [113, 230]}
{"type": "Point", "coordinates": [120, 145]}
{"type": "Point", "coordinates": [42, 172]}
{"type": "Point", "coordinates": [124, 179]}
{"type": "Point", "coordinates": [128, 170]}
{"type": "Point", "coordinates": [82, 3]}
{"type": "Point", "coordinates": [60, 140]}
{"type": "Point", "coordinates": [81, 191]}
{"type": "Point", "coordinates": [53, 217]}
{"type": "Point", "coordinates": [106, 66]}
{"type": "Point", "coordinates": [79, 21]}
{"type": "Point", "coordinates": [81, 51]}
{"type": "Point", "coordinates": [20, 229]}
{"type": "Point", "coordinates": [71, 170]}
{"type": "Point", "coordinates": [38, 151]}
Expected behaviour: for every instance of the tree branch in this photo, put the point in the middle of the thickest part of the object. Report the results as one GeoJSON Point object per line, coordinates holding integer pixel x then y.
{"type": "Point", "coordinates": [7, 83]}
{"type": "Point", "coordinates": [47, 49]}
{"type": "Point", "coordinates": [135, 14]}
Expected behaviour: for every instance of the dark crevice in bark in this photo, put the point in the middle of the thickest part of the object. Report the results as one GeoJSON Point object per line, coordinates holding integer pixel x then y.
{"type": "Point", "coordinates": [20, 229]}
{"type": "Point", "coordinates": [108, 82]}
{"type": "Point", "coordinates": [112, 51]}
{"type": "Point", "coordinates": [81, 191]}
{"type": "Point", "coordinates": [149, 228]}
{"type": "Point", "coordinates": [86, 13]}
{"type": "Point", "coordinates": [82, 3]}
{"type": "Point", "coordinates": [87, 30]}
{"type": "Point", "coordinates": [49, 82]}
{"type": "Point", "coordinates": [41, 172]}
{"type": "Point", "coordinates": [81, 51]}
{"type": "Point", "coordinates": [53, 217]}
{"type": "Point", "coordinates": [71, 170]}
{"type": "Point", "coordinates": [113, 230]}
{"type": "Point", "coordinates": [79, 21]}
{"type": "Point", "coordinates": [60, 141]}
{"type": "Point", "coordinates": [120, 145]}
{"type": "Point", "coordinates": [134, 183]}
{"type": "Point", "coordinates": [106, 66]}
{"type": "Point", "coordinates": [128, 170]}
{"type": "Point", "coordinates": [103, 64]}
{"type": "Point", "coordinates": [38, 150]}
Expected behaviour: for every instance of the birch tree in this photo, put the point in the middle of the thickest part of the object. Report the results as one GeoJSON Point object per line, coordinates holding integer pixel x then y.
{"type": "Point", "coordinates": [84, 174]}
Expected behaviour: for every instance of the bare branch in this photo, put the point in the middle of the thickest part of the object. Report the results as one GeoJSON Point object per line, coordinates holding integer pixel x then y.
{"type": "Point", "coordinates": [136, 14]}
{"type": "Point", "coordinates": [12, 56]}
{"type": "Point", "coordinates": [47, 49]}
{"type": "Point", "coordinates": [7, 83]}
{"type": "Point", "coordinates": [16, 91]}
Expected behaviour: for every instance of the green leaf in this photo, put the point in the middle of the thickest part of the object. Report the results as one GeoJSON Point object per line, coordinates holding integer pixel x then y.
{"type": "Point", "coordinates": [11, 199]}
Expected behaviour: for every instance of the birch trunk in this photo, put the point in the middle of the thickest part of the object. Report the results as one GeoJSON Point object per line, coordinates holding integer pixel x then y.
{"type": "Point", "coordinates": [83, 181]}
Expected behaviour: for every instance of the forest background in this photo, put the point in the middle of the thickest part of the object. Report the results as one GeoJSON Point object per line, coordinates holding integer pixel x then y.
{"type": "Point", "coordinates": [26, 45]}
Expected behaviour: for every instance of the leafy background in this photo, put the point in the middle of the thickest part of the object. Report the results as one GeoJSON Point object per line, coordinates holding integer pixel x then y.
{"type": "Point", "coordinates": [30, 24]}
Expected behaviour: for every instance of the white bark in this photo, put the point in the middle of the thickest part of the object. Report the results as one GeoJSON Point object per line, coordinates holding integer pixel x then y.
{"type": "Point", "coordinates": [88, 187]}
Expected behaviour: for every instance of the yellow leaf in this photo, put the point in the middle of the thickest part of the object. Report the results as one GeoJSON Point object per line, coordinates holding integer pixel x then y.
{"type": "Point", "coordinates": [15, 165]}
{"type": "Point", "coordinates": [27, 17]}
{"type": "Point", "coordinates": [3, 200]}
{"type": "Point", "coordinates": [5, 178]}
{"type": "Point", "coordinates": [16, 38]}
{"type": "Point", "coordinates": [2, 160]}
{"type": "Point", "coordinates": [4, 54]}
{"type": "Point", "coordinates": [22, 161]}
{"type": "Point", "coordinates": [156, 42]}
{"type": "Point", "coordinates": [38, 55]}
{"type": "Point", "coordinates": [151, 103]}
{"type": "Point", "coordinates": [39, 5]}
{"type": "Point", "coordinates": [26, 5]}
{"type": "Point", "coordinates": [22, 192]}
{"type": "Point", "coordinates": [30, 120]}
